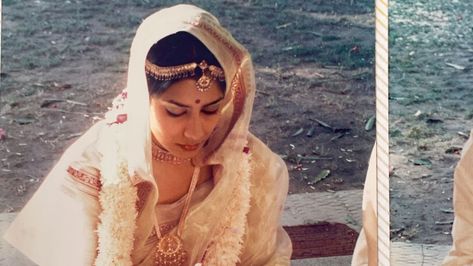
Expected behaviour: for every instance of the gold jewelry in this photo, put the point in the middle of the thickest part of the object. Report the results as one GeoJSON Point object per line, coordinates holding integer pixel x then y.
{"type": "Point", "coordinates": [209, 73]}
{"type": "Point", "coordinates": [170, 249]}
{"type": "Point", "coordinates": [161, 155]}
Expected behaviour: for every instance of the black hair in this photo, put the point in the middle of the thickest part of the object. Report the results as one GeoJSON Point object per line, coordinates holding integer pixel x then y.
{"type": "Point", "coordinates": [178, 49]}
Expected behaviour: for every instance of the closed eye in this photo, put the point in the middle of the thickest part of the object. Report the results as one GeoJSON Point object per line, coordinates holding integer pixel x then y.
{"type": "Point", "coordinates": [211, 109]}
{"type": "Point", "coordinates": [210, 112]}
{"type": "Point", "coordinates": [175, 114]}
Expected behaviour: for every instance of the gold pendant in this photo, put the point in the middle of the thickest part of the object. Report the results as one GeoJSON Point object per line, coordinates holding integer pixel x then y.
{"type": "Point", "coordinates": [203, 83]}
{"type": "Point", "coordinates": [170, 251]}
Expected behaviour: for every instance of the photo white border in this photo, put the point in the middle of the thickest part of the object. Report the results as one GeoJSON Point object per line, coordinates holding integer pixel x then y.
{"type": "Point", "coordinates": [382, 129]}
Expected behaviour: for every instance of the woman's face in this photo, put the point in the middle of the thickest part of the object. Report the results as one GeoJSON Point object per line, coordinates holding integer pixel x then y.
{"type": "Point", "coordinates": [182, 118]}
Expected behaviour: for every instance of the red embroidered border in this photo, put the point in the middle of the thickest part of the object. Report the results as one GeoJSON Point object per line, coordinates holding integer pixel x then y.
{"type": "Point", "coordinates": [85, 178]}
{"type": "Point", "coordinates": [210, 27]}
{"type": "Point", "coordinates": [143, 189]}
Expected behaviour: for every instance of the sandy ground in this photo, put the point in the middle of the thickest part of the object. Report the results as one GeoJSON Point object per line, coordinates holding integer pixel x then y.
{"type": "Point", "coordinates": [431, 111]}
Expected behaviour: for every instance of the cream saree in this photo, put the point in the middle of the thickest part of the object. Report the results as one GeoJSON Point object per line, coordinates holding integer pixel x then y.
{"type": "Point", "coordinates": [461, 252]}
{"type": "Point", "coordinates": [366, 248]}
{"type": "Point", "coordinates": [97, 206]}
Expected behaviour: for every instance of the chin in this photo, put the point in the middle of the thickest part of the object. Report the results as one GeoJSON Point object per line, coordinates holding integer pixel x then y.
{"type": "Point", "coordinates": [180, 152]}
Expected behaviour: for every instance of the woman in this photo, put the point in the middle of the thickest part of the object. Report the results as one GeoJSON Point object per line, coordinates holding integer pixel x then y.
{"type": "Point", "coordinates": [171, 176]}
{"type": "Point", "coordinates": [461, 252]}
{"type": "Point", "coordinates": [366, 248]}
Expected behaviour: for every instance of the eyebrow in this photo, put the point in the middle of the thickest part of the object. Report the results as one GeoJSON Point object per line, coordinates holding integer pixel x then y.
{"type": "Point", "coordinates": [187, 106]}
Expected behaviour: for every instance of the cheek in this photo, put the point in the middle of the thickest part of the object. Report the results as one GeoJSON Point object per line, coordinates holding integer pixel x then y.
{"type": "Point", "coordinates": [162, 125]}
{"type": "Point", "coordinates": [211, 123]}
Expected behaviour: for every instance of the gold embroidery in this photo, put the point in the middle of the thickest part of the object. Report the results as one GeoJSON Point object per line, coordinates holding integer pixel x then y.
{"type": "Point", "coordinates": [164, 228]}
{"type": "Point", "coordinates": [143, 189]}
{"type": "Point", "coordinates": [84, 178]}
{"type": "Point", "coordinates": [211, 29]}
{"type": "Point", "coordinates": [239, 94]}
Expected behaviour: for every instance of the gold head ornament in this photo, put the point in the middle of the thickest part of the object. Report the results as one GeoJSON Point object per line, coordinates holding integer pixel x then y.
{"type": "Point", "coordinates": [209, 73]}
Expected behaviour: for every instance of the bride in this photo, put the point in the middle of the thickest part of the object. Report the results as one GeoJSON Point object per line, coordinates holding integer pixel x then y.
{"type": "Point", "coordinates": [172, 175]}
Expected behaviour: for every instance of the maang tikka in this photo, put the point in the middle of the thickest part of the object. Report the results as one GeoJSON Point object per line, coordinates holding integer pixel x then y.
{"type": "Point", "coordinates": [209, 73]}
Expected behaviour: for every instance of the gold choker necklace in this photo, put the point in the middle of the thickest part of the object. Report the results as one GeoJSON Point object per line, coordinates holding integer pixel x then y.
{"type": "Point", "coordinates": [161, 155]}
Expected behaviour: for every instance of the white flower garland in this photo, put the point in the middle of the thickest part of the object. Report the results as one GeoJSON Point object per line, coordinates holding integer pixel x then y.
{"type": "Point", "coordinates": [117, 198]}
{"type": "Point", "coordinates": [227, 243]}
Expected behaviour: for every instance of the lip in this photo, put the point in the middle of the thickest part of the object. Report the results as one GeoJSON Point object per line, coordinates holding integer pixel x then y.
{"type": "Point", "coordinates": [188, 147]}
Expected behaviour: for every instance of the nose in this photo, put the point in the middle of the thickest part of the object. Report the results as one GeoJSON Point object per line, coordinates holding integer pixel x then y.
{"type": "Point", "coordinates": [194, 130]}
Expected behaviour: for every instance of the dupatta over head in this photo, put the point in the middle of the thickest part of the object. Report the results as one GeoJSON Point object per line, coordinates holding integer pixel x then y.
{"type": "Point", "coordinates": [232, 130]}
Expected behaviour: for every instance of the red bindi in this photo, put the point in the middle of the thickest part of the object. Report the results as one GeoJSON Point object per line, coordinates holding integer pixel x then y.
{"type": "Point", "coordinates": [197, 101]}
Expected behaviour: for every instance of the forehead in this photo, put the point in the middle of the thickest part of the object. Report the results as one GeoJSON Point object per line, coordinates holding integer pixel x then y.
{"type": "Point", "coordinates": [185, 91]}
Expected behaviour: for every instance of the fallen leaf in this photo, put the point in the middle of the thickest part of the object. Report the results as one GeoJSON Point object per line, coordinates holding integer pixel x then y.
{"type": "Point", "coordinates": [443, 222]}
{"type": "Point", "coordinates": [24, 120]}
{"type": "Point", "coordinates": [455, 66]}
{"type": "Point", "coordinates": [463, 134]}
{"type": "Point", "coordinates": [289, 48]}
{"type": "Point", "coordinates": [62, 86]}
{"type": "Point", "coordinates": [49, 102]}
{"type": "Point", "coordinates": [370, 124]}
{"type": "Point", "coordinates": [337, 136]}
{"type": "Point", "coordinates": [434, 120]}
{"type": "Point", "coordinates": [283, 25]}
{"type": "Point", "coordinates": [77, 103]}
{"type": "Point", "coordinates": [311, 131]}
{"type": "Point", "coordinates": [425, 162]}
{"type": "Point", "coordinates": [323, 124]}
{"type": "Point", "coordinates": [298, 132]}
{"type": "Point", "coordinates": [321, 176]}
{"type": "Point", "coordinates": [41, 85]}
{"type": "Point", "coordinates": [447, 210]}
{"type": "Point", "coordinates": [454, 150]}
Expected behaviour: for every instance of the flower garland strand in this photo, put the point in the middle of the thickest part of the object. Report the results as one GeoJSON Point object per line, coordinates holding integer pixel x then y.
{"type": "Point", "coordinates": [117, 199]}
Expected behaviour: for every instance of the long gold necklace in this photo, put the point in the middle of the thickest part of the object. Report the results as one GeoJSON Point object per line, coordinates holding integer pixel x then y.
{"type": "Point", "coordinates": [170, 249]}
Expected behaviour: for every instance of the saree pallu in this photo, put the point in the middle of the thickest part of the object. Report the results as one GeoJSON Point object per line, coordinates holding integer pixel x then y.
{"type": "Point", "coordinates": [461, 252]}
{"type": "Point", "coordinates": [366, 248]}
